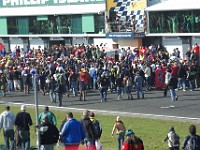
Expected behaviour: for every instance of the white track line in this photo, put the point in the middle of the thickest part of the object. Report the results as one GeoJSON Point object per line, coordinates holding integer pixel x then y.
{"type": "Point", "coordinates": [110, 112]}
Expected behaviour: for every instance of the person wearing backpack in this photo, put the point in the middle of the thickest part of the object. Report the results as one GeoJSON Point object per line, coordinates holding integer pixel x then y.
{"type": "Point", "coordinates": [173, 139]}
{"type": "Point", "coordinates": [192, 141]}
{"type": "Point", "coordinates": [97, 130]}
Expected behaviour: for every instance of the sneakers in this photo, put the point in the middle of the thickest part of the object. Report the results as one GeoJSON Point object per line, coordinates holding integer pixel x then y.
{"type": "Point", "coordinates": [184, 90]}
{"type": "Point", "coordinates": [176, 98]}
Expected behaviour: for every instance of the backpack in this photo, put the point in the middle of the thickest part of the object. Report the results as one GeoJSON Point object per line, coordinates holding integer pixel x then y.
{"type": "Point", "coordinates": [97, 129]}
{"type": "Point", "coordinates": [174, 140]}
{"type": "Point", "coordinates": [193, 143]}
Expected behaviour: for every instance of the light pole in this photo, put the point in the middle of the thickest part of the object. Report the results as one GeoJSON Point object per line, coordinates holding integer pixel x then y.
{"type": "Point", "coordinates": [36, 111]}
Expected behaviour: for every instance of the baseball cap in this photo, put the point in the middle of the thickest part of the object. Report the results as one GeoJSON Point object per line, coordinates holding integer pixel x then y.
{"type": "Point", "coordinates": [129, 132]}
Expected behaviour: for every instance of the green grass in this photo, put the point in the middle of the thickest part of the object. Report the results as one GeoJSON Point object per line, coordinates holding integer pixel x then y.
{"type": "Point", "coordinates": [151, 131]}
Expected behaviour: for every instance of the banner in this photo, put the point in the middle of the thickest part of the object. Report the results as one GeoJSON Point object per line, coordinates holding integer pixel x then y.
{"type": "Point", "coordinates": [160, 78]}
{"type": "Point", "coordinates": [20, 3]}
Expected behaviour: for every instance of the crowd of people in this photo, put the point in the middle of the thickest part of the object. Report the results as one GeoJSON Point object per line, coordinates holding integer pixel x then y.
{"type": "Point", "coordinates": [73, 133]}
{"type": "Point", "coordinates": [63, 69]}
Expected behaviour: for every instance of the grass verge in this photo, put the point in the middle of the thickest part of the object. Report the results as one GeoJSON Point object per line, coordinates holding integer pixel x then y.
{"type": "Point", "coordinates": [151, 131]}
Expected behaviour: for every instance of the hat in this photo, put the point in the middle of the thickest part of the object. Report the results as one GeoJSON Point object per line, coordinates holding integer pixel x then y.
{"type": "Point", "coordinates": [23, 107]}
{"type": "Point", "coordinates": [129, 132]}
{"type": "Point", "coordinates": [118, 118]}
{"type": "Point", "coordinates": [92, 114]}
{"type": "Point", "coordinates": [171, 129]}
{"type": "Point", "coordinates": [85, 112]}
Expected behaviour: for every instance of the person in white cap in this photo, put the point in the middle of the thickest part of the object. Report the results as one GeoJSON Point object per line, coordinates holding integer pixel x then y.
{"type": "Point", "coordinates": [120, 131]}
{"type": "Point", "coordinates": [22, 122]}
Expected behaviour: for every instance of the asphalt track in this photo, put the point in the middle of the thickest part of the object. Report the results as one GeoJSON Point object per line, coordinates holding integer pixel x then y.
{"type": "Point", "coordinates": [154, 105]}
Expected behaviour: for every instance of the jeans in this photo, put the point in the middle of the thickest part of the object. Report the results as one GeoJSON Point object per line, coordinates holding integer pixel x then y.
{"type": "Point", "coordinates": [9, 135]}
{"type": "Point", "coordinates": [25, 139]}
{"type": "Point", "coordinates": [173, 94]}
{"type": "Point", "coordinates": [103, 93]}
{"type": "Point", "coordinates": [181, 83]}
{"type": "Point", "coordinates": [138, 90]}
{"type": "Point", "coordinates": [52, 95]}
{"type": "Point", "coordinates": [74, 88]}
{"type": "Point", "coordinates": [192, 84]}
{"type": "Point", "coordinates": [10, 85]}
{"type": "Point", "coordinates": [3, 91]}
{"type": "Point", "coordinates": [59, 98]}
{"type": "Point", "coordinates": [147, 81]}
{"type": "Point", "coordinates": [94, 83]}
{"type": "Point", "coordinates": [120, 140]}
{"type": "Point", "coordinates": [90, 144]}
{"type": "Point", "coordinates": [47, 147]}
{"type": "Point", "coordinates": [119, 91]}
{"type": "Point", "coordinates": [128, 89]}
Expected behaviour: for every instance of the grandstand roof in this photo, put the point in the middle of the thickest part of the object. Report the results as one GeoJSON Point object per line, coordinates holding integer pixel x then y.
{"type": "Point", "coordinates": [52, 10]}
{"type": "Point", "coordinates": [175, 5]}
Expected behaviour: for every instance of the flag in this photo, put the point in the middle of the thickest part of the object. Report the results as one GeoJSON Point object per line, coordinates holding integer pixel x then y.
{"type": "Point", "coordinates": [1, 46]}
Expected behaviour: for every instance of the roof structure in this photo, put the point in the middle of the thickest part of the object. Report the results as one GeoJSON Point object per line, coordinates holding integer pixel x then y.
{"type": "Point", "coordinates": [175, 5]}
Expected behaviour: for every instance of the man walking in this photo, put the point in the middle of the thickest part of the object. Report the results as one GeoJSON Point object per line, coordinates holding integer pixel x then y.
{"type": "Point", "coordinates": [49, 134]}
{"type": "Point", "coordinates": [89, 131]}
{"type": "Point", "coordinates": [49, 114]}
{"type": "Point", "coordinates": [173, 139]}
{"type": "Point", "coordinates": [72, 133]}
{"type": "Point", "coordinates": [7, 121]}
{"type": "Point", "coordinates": [192, 141]}
{"type": "Point", "coordinates": [23, 121]}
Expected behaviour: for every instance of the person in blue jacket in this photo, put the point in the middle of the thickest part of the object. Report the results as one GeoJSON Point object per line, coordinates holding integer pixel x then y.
{"type": "Point", "coordinates": [72, 133]}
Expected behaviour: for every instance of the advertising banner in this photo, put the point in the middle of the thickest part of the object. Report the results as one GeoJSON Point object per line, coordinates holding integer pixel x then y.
{"type": "Point", "coordinates": [21, 3]}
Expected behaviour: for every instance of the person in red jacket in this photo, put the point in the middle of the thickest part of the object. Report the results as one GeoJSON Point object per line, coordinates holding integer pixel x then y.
{"type": "Point", "coordinates": [132, 142]}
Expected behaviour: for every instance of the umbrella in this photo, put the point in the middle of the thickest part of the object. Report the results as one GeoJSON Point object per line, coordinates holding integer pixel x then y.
{"type": "Point", "coordinates": [1, 46]}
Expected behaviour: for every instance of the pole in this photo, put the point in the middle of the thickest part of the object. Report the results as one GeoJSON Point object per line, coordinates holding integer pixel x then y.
{"type": "Point", "coordinates": [36, 111]}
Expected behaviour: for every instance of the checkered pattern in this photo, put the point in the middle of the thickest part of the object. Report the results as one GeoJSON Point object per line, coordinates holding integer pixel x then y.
{"type": "Point", "coordinates": [122, 10]}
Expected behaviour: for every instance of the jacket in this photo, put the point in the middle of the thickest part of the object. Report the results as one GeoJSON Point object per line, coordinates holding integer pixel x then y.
{"type": "Point", "coordinates": [72, 132]}
{"type": "Point", "coordinates": [88, 127]}
{"type": "Point", "coordinates": [7, 120]}
{"type": "Point", "coordinates": [23, 121]}
{"type": "Point", "coordinates": [50, 115]}
{"type": "Point", "coordinates": [173, 82]}
{"type": "Point", "coordinates": [133, 144]}
{"type": "Point", "coordinates": [49, 134]}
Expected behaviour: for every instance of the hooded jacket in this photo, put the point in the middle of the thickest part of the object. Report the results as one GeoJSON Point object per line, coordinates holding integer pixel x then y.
{"type": "Point", "coordinates": [7, 120]}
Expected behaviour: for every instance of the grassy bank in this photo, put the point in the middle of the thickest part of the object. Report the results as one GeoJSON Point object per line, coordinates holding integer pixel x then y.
{"type": "Point", "coordinates": [151, 131]}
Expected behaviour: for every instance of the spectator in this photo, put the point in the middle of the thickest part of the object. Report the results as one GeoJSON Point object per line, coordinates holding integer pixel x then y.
{"type": "Point", "coordinates": [173, 139]}
{"type": "Point", "coordinates": [72, 133]}
{"type": "Point", "coordinates": [23, 122]}
{"type": "Point", "coordinates": [89, 131]}
{"type": "Point", "coordinates": [138, 80]}
{"type": "Point", "coordinates": [172, 86]}
{"type": "Point", "coordinates": [120, 131]}
{"type": "Point", "coordinates": [7, 121]}
{"type": "Point", "coordinates": [192, 141]}
{"type": "Point", "coordinates": [96, 126]}
{"type": "Point", "coordinates": [49, 114]}
{"type": "Point", "coordinates": [49, 134]}
{"type": "Point", "coordinates": [167, 79]}
{"type": "Point", "coordinates": [132, 142]}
